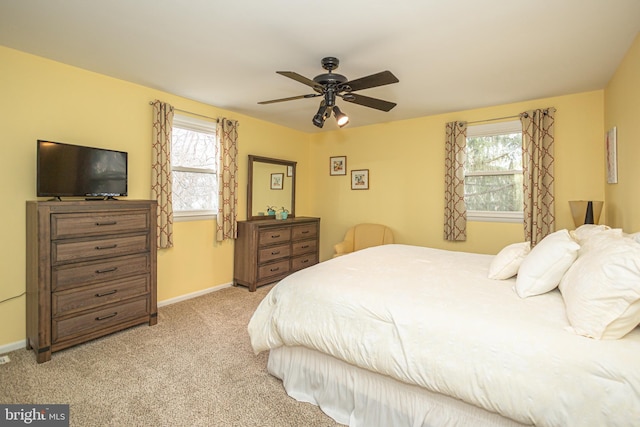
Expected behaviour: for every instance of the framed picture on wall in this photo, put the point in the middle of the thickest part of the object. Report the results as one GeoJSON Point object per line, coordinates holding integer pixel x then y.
{"type": "Point", "coordinates": [338, 165]}
{"type": "Point", "coordinates": [612, 156]}
{"type": "Point", "coordinates": [360, 179]}
{"type": "Point", "coordinates": [276, 181]}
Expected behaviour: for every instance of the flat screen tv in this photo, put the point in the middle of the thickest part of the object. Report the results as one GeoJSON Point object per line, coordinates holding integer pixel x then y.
{"type": "Point", "coordinates": [66, 170]}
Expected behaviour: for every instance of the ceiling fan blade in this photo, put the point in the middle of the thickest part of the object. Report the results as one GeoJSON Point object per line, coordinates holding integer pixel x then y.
{"type": "Point", "coordinates": [380, 79]}
{"type": "Point", "coordinates": [291, 98]}
{"type": "Point", "coordinates": [366, 101]}
{"type": "Point", "coordinates": [302, 79]}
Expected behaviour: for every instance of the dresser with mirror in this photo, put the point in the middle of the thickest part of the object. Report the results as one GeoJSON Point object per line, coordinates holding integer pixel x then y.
{"type": "Point", "coordinates": [268, 247]}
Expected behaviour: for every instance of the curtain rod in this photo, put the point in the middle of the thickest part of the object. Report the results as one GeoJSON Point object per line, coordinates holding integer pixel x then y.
{"type": "Point", "coordinates": [193, 114]}
{"type": "Point", "coordinates": [497, 118]}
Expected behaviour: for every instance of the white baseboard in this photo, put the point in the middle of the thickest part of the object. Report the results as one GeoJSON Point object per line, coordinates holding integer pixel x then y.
{"type": "Point", "coordinates": [18, 345]}
{"type": "Point", "coordinates": [7, 348]}
{"type": "Point", "coordinates": [193, 295]}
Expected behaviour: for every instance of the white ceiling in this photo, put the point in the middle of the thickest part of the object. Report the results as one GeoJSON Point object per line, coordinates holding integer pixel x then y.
{"type": "Point", "coordinates": [449, 55]}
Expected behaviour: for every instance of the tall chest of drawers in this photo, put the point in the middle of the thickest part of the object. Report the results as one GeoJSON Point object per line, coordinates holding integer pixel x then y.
{"type": "Point", "coordinates": [269, 250]}
{"type": "Point", "coordinates": [91, 270]}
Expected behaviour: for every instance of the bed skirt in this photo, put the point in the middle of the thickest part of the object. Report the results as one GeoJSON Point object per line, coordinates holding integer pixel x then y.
{"type": "Point", "coordinates": [358, 397]}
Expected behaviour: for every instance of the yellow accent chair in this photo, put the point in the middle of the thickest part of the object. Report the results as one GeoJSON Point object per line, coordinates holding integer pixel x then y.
{"type": "Point", "coordinates": [363, 236]}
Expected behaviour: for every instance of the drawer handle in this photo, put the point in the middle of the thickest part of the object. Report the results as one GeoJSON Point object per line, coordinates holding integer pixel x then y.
{"type": "Point", "coordinates": [275, 236]}
{"type": "Point", "coordinates": [99, 224]}
{"type": "Point", "coordinates": [305, 232]}
{"type": "Point", "coordinates": [275, 269]}
{"type": "Point", "coordinates": [108, 316]}
{"type": "Point", "coordinates": [104, 294]}
{"type": "Point", "coordinates": [305, 261]}
{"type": "Point", "coordinates": [106, 247]}
{"type": "Point", "coordinates": [106, 270]}
{"type": "Point", "coordinates": [275, 253]}
{"type": "Point", "coordinates": [304, 247]}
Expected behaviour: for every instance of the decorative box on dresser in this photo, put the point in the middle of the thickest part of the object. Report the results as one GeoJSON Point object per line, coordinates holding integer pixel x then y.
{"type": "Point", "coordinates": [269, 250]}
{"type": "Point", "coordinates": [91, 270]}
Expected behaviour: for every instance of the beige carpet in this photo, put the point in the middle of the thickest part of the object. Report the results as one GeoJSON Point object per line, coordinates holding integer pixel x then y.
{"type": "Point", "coordinates": [194, 368]}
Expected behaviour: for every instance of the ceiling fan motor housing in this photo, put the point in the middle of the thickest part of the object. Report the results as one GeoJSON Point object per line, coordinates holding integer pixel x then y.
{"type": "Point", "coordinates": [329, 79]}
{"type": "Point", "coordinates": [331, 85]}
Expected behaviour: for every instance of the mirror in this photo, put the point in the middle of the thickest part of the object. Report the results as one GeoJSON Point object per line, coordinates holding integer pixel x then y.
{"type": "Point", "coordinates": [272, 183]}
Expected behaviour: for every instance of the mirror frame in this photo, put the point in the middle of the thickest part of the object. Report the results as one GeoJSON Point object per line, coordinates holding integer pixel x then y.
{"type": "Point", "coordinates": [260, 159]}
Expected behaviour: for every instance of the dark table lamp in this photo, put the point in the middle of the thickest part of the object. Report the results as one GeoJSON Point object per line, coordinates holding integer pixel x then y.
{"type": "Point", "coordinates": [585, 211]}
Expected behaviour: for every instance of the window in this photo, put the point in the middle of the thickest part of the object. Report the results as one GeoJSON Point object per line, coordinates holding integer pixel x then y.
{"type": "Point", "coordinates": [493, 172]}
{"type": "Point", "coordinates": [194, 159]}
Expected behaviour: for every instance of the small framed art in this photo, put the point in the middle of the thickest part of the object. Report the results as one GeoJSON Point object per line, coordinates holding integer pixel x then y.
{"type": "Point", "coordinates": [276, 181]}
{"type": "Point", "coordinates": [338, 165]}
{"type": "Point", "coordinates": [360, 179]}
{"type": "Point", "coordinates": [289, 170]}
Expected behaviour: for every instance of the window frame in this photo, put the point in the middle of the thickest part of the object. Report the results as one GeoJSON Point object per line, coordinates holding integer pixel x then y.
{"type": "Point", "coordinates": [491, 129]}
{"type": "Point", "coordinates": [201, 126]}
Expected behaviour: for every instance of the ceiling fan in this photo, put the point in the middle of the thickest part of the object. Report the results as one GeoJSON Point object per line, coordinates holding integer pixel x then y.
{"type": "Point", "coordinates": [331, 85]}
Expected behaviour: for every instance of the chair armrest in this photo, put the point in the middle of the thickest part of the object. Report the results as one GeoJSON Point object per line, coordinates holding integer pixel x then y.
{"type": "Point", "coordinates": [342, 248]}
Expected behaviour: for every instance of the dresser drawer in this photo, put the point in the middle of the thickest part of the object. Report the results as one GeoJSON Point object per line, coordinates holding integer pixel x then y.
{"type": "Point", "coordinates": [63, 328]}
{"type": "Point", "coordinates": [273, 252]}
{"type": "Point", "coordinates": [304, 261]}
{"type": "Point", "coordinates": [304, 246]}
{"type": "Point", "coordinates": [81, 274]}
{"type": "Point", "coordinates": [66, 302]}
{"type": "Point", "coordinates": [274, 269]}
{"type": "Point", "coordinates": [78, 250]}
{"type": "Point", "coordinates": [274, 235]}
{"type": "Point", "coordinates": [95, 224]}
{"type": "Point", "coordinates": [304, 231]}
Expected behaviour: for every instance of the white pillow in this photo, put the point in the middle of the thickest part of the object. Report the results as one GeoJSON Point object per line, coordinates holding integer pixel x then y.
{"type": "Point", "coordinates": [587, 230]}
{"type": "Point", "coordinates": [506, 264]}
{"type": "Point", "coordinates": [635, 236]}
{"type": "Point", "coordinates": [544, 266]}
{"type": "Point", "coordinates": [599, 240]}
{"type": "Point", "coordinates": [601, 290]}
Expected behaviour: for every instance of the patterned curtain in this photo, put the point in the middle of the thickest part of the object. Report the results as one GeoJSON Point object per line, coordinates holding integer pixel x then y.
{"type": "Point", "coordinates": [537, 169]}
{"type": "Point", "coordinates": [227, 227]}
{"type": "Point", "coordinates": [161, 171]}
{"type": "Point", "coordinates": [455, 211]}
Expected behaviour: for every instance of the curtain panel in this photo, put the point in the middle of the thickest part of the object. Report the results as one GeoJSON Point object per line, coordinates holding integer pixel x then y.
{"type": "Point", "coordinates": [537, 169]}
{"type": "Point", "coordinates": [161, 171]}
{"type": "Point", "coordinates": [227, 226]}
{"type": "Point", "coordinates": [455, 211]}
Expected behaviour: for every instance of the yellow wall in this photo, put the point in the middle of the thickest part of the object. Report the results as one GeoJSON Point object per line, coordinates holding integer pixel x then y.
{"type": "Point", "coordinates": [406, 172]}
{"type": "Point", "coordinates": [622, 110]}
{"type": "Point", "coordinates": [43, 99]}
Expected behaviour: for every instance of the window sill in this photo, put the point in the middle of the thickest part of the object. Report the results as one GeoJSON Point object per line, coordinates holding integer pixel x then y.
{"type": "Point", "coordinates": [193, 216]}
{"type": "Point", "coordinates": [490, 216]}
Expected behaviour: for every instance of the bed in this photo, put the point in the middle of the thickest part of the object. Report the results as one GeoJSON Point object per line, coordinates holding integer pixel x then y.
{"type": "Point", "coordinates": [412, 336]}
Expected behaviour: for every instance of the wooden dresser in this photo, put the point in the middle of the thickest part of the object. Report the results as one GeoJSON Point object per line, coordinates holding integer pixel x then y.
{"type": "Point", "coordinates": [91, 270]}
{"type": "Point", "coordinates": [268, 250]}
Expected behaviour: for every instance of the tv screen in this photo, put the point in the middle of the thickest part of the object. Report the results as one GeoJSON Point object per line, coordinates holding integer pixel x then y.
{"type": "Point", "coordinates": [75, 170]}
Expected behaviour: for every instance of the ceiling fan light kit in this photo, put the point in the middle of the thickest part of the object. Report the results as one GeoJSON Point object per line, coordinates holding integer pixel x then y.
{"type": "Point", "coordinates": [331, 85]}
{"type": "Point", "coordinates": [341, 118]}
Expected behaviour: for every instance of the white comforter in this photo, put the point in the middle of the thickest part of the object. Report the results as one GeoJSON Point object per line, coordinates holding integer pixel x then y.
{"type": "Point", "coordinates": [432, 318]}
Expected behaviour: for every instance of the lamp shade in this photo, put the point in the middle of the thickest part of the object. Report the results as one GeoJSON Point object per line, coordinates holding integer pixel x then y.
{"type": "Point", "coordinates": [585, 211]}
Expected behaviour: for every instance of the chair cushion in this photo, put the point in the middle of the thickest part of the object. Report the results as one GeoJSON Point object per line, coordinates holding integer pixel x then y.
{"type": "Point", "coordinates": [368, 235]}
